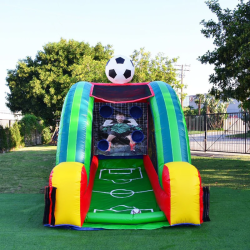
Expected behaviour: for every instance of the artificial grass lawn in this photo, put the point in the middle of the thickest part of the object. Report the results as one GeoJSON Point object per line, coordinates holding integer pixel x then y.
{"type": "Point", "coordinates": [221, 172]}
{"type": "Point", "coordinates": [24, 173]}
{"type": "Point", "coordinates": [21, 228]}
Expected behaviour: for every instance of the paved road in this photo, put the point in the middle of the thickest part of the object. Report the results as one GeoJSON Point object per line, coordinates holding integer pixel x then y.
{"type": "Point", "coordinates": [219, 154]}
{"type": "Point", "coordinates": [219, 141]}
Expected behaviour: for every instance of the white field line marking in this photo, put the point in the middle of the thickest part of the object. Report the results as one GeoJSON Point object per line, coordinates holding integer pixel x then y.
{"type": "Point", "coordinates": [126, 208]}
{"type": "Point", "coordinates": [127, 193]}
{"type": "Point", "coordinates": [121, 171]}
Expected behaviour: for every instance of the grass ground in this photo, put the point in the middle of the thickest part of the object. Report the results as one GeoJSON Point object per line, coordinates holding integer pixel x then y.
{"type": "Point", "coordinates": [195, 132]}
{"type": "Point", "coordinates": [26, 170]}
{"type": "Point", "coordinates": [24, 173]}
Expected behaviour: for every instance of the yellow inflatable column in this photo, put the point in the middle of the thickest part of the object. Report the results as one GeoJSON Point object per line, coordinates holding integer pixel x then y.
{"type": "Point", "coordinates": [181, 181]}
{"type": "Point", "coordinates": [70, 179]}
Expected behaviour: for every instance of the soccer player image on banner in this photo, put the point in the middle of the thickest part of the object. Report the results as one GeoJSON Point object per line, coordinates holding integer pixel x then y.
{"type": "Point", "coordinates": [121, 129]}
{"type": "Point", "coordinates": [121, 133]}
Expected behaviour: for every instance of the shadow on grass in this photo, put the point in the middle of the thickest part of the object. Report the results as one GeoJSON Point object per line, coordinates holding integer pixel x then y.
{"type": "Point", "coordinates": [231, 173]}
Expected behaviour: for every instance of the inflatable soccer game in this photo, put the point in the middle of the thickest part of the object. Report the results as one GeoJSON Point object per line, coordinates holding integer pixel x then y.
{"type": "Point", "coordinates": [123, 158]}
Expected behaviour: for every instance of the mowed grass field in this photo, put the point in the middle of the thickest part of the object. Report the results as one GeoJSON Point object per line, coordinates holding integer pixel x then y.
{"type": "Point", "coordinates": [24, 173]}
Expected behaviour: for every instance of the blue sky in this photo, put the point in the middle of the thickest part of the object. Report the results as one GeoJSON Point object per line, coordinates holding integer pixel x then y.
{"type": "Point", "coordinates": [170, 27]}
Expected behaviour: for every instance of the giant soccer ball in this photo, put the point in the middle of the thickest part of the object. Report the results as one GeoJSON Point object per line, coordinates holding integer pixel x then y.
{"type": "Point", "coordinates": [120, 69]}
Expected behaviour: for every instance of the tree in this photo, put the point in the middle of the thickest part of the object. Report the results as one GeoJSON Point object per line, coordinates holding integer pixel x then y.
{"type": "Point", "coordinates": [199, 99]}
{"type": "Point", "coordinates": [231, 56]}
{"type": "Point", "coordinates": [39, 86]}
{"type": "Point", "coordinates": [211, 105]}
{"type": "Point", "coordinates": [190, 110]}
{"type": "Point", "coordinates": [218, 110]}
{"type": "Point", "coordinates": [149, 69]}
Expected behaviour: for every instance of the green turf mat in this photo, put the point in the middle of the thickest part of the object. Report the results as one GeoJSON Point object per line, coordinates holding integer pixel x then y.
{"type": "Point", "coordinates": [21, 228]}
{"type": "Point", "coordinates": [120, 186]}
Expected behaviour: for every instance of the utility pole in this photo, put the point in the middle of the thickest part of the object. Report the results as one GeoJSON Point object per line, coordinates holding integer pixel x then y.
{"type": "Point", "coordinates": [182, 69]}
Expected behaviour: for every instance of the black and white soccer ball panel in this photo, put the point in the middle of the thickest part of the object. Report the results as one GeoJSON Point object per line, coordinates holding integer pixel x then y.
{"type": "Point", "coordinates": [120, 69]}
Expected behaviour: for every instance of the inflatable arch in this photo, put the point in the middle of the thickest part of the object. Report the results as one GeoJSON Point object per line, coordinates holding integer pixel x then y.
{"type": "Point", "coordinates": [93, 187]}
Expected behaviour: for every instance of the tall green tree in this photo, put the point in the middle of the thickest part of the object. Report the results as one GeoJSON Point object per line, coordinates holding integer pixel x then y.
{"type": "Point", "coordinates": [39, 86]}
{"type": "Point", "coordinates": [190, 110]}
{"type": "Point", "coordinates": [199, 100]}
{"type": "Point", "coordinates": [211, 105]}
{"type": "Point", "coordinates": [231, 56]}
{"type": "Point", "coordinates": [160, 68]}
{"type": "Point", "coordinates": [146, 69]}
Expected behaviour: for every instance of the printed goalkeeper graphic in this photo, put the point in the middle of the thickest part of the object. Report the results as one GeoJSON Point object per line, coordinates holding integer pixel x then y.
{"type": "Point", "coordinates": [121, 128]}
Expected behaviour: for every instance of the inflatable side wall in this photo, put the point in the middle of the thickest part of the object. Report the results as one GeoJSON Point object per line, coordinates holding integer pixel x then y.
{"type": "Point", "coordinates": [71, 174]}
{"type": "Point", "coordinates": [75, 131]}
{"type": "Point", "coordinates": [172, 143]}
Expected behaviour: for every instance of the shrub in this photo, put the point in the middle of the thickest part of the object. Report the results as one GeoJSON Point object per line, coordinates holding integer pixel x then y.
{"type": "Point", "coordinates": [29, 125]}
{"type": "Point", "coordinates": [46, 135]}
{"type": "Point", "coordinates": [3, 138]}
{"type": "Point", "coordinates": [16, 140]}
{"type": "Point", "coordinates": [22, 132]}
